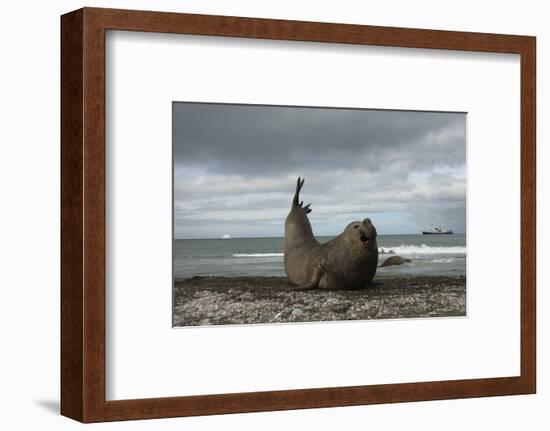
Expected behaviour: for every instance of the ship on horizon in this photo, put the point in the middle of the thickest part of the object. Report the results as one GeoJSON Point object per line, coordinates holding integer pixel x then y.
{"type": "Point", "coordinates": [437, 230]}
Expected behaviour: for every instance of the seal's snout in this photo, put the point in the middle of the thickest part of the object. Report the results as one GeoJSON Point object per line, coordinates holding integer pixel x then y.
{"type": "Point", "coordinates": [367, 230]}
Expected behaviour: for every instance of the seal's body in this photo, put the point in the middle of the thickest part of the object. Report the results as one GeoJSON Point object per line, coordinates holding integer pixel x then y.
{"type": "Point", "coordinates": [346, 262]}
{"type": "Point", "coordinates": [395, 260]}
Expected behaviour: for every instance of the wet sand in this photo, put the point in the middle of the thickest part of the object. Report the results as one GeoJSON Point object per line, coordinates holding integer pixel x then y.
{"type": "Point", "coordinates": [249, 300]}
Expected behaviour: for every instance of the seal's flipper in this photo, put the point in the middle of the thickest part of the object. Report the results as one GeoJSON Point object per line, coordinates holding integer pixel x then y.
{"type": "Point", "coordinates": [314, 282]}
{"type": "Point", "coordinates": [296, 201]}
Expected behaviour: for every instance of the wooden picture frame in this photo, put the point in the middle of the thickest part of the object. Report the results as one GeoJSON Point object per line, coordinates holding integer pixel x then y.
{"type": "Point", "coordinates": [83, 214]}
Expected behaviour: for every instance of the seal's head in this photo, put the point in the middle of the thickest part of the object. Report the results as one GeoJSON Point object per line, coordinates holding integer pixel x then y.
{"type": "Point", "coordinates": [362, 233]}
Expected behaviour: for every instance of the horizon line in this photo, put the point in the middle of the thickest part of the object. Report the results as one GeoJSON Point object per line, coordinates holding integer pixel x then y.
{"type": "Point", "coordinates": [279, 236]}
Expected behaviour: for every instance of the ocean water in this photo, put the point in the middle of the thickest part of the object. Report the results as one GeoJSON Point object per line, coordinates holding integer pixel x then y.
{"type": "Point", "coordinates": [429, 254]}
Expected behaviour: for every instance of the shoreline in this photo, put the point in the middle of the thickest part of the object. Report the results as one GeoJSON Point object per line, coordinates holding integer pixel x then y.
{"type": "Point", "coordinates": [199, 301]}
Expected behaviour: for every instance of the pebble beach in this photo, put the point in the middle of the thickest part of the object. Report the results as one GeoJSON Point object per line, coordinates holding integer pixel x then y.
{"type": "Point", "coordinates": [203, 301]}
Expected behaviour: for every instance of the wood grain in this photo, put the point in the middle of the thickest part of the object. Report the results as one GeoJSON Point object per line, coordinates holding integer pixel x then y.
{"type": "Point", "coordinates": [83, 214]}
{"type": "Point", "coordinates": [528, 216]}
{"type": "Point", "coordinates": [72, 245]}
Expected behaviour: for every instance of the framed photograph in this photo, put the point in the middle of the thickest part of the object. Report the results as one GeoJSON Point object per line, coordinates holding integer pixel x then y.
{"type": "Point", "coordinates": [268, 215]}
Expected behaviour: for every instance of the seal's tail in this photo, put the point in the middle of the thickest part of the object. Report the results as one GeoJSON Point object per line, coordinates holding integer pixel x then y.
{"type": "Point", "coordinates": [296, 201]}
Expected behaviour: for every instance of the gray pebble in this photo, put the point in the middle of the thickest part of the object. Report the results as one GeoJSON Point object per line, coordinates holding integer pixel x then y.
{"type": "Point", "coordinates": [297, 312]}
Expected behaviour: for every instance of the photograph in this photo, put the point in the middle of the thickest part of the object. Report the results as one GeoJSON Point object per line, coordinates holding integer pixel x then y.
{"type": "Point", "coordinates": [311, 214]}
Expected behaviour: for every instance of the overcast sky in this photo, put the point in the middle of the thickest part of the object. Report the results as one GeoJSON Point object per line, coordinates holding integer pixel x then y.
{"type": "Point", "coordinates": [235, 169]}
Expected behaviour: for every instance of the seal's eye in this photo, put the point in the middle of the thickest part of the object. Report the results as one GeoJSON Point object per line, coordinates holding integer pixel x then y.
{"type": "Point", "coordinates": [356, 226]}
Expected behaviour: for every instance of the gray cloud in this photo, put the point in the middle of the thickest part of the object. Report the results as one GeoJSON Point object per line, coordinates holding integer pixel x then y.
{"type": "Point", "coordinates": [235, 168]}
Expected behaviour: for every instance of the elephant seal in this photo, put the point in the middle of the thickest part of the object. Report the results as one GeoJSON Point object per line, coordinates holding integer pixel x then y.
{"type": "Point", "coordinates": [395, 260]}
{"type": "Point", "coordinates": [348, 261]}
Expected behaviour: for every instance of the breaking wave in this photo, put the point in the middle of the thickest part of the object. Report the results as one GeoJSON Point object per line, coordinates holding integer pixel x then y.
{"type": "Point", "coordinates": [399, 250]}
{"type": "Point", "coordinates": [424, 249]}
{"type": "Point", "coordinates": [444, 260]}
{"type": "Point", "coordinates": [258, 255]}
